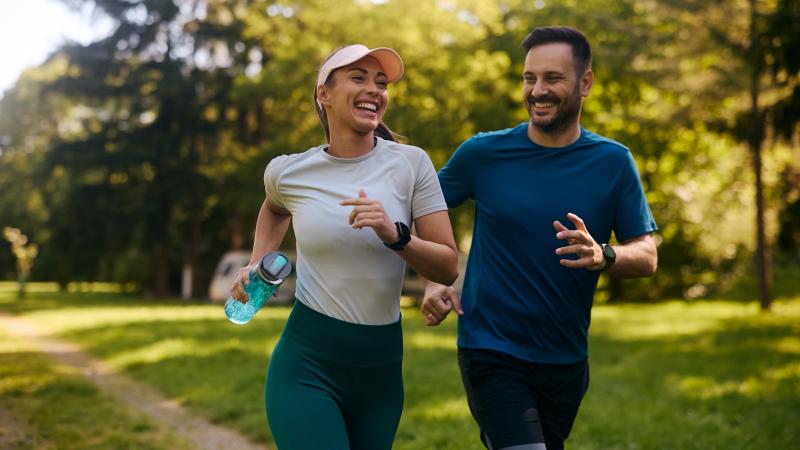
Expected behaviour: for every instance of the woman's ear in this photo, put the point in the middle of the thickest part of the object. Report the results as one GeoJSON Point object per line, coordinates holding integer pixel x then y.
{"type": "Point", "coordinates": [322, 95]}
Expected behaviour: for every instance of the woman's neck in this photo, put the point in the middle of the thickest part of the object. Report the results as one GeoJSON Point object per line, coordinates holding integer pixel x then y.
{"type": "Point", "coordinates": [350, 145]}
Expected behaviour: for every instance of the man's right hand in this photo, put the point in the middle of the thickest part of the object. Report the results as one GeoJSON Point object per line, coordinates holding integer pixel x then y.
{"type": "Point", "coordinates": [242, 280]}
{"type": "Point", "coordinates": [437, 303]}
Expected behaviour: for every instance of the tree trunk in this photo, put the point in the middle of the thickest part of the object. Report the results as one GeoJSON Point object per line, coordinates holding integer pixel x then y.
{"type": "Point", "coordinates": [194, 250]}
{"type": "Point", "coordinates": [195, 235]}
{"type": "Point", "coordinates": [237, 231]}
{"type": "Point", "coordinates": [161, 282]}
{"type": "Point", "coordinates": [756, 138]}
{"type": "Point", "coordinates": [763, 259]}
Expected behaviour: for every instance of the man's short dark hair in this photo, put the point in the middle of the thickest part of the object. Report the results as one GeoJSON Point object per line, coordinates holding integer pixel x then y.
{"type": "Point", "coordinates": [581, 50]}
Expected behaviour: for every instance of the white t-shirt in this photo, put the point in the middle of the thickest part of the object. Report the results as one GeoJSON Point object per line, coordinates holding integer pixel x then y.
{"type": "Point", "coordinates": [344, 272]}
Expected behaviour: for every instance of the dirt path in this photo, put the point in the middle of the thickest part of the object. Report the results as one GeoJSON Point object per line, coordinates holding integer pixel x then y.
{"type": "Point", "coordinates": [12, 430]}
{"type": "Point", "coordinates": [197, 430]}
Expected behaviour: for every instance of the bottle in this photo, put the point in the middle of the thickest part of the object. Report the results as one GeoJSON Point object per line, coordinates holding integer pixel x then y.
{"type": "Point", "coordinates": [265, 279]}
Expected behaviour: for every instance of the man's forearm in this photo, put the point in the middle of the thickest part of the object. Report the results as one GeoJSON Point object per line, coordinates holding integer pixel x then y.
{"type": "Point", "coordinates": [636, 257]}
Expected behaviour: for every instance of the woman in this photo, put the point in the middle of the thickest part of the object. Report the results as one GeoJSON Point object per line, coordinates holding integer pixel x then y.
{"type": "Point", "coordinates": [335, 377]}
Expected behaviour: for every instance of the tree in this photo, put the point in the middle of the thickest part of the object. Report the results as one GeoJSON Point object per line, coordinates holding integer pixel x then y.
{"type": "Point", "coordinates": [136, 186]}
{"type": "Point", "coordinates": [742, 53]}
{"type": "Point", "coordinates": [772, 35]}
{"type": "Point", "coordinates": [24, 252]}
{"type": "Point", "coordinates": [140, 154]}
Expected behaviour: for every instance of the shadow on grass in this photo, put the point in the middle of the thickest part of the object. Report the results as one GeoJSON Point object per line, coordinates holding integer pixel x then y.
{"type": "Point", "coordinates": [43, 408]}
{"type": "Point", "coordinates": [218, 369]}
{"type": "Point", "coordinates": [728, 388]}
{"type": "Point", "coordinates": [210, 366]}
{"type": "Point", "coordinates": [733, 387]}
{"type": "Point", "coordinates": [35, 301]}
{"type": "Point", "coordinates": [727, 383]}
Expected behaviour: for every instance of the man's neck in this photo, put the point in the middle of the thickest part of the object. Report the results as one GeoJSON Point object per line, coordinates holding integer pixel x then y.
{"type": "Point", "coordinates": [561, 138]}
{"type": "Point", "coordinates": [350, 144]}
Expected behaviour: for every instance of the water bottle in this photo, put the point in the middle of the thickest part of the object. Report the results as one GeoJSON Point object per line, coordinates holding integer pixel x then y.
{"type": "Point", "coordinates": [265, 279]}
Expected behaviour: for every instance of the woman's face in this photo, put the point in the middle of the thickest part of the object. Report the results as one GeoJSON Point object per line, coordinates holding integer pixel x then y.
{"type": "Point", "coordinates": [357, 98]}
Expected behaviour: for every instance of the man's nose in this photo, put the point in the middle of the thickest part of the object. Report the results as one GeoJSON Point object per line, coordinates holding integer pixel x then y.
{"type": "Point", "coordinates": [539, 89]}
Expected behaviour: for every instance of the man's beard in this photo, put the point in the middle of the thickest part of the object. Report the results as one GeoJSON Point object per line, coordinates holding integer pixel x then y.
{"type": "Point", "coordinates": [566, 114]}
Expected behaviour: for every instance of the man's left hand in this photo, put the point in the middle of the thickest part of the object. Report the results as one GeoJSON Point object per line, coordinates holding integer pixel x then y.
{"type": "Point", "coordinates": [581, 243]}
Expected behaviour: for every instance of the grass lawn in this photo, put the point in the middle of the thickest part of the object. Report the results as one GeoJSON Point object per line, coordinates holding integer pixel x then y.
{"type": "Point", "coordinates": [703, 375]}
{"type": "Point", "coordinates": [44, 406]}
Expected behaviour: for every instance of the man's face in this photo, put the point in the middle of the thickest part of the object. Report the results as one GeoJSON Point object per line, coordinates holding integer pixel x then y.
{"type": "Point", "coordinates": [551, 90]}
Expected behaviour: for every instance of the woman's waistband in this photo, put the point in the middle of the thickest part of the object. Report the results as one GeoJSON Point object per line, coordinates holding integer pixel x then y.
{"type": "Point", "coordinates": [343, 342]}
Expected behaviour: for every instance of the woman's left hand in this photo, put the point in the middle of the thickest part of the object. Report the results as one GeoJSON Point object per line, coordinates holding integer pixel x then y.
{"type": "Point", "coordinates": [368, 212]}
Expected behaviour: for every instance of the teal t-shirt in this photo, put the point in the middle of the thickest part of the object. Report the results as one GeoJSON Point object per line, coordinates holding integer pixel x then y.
{"type": "Point", "coordinates": [517, 297]}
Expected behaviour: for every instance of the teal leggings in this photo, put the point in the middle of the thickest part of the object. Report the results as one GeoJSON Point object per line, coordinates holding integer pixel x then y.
{"type": "Point", "coordinates": [334, 385]}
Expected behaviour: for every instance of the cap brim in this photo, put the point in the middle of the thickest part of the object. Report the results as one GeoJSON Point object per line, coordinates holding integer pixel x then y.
{"type": "Point", "coordinates": [389, 60]}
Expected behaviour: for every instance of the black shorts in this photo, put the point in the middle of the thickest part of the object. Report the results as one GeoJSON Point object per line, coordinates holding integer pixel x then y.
{"type": "Point", "coordinates": [522, 405]}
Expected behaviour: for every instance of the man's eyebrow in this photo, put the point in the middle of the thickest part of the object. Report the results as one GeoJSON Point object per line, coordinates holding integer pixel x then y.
{"type": "Point", "coordinates": [549, 73]}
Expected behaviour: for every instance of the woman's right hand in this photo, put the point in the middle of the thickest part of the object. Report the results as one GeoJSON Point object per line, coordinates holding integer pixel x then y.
{"type": "Point", "coordinates": [242, 280]}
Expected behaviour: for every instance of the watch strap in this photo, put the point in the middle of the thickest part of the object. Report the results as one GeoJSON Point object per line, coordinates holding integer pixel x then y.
{"type": "Point", "coordinates": [403, 236]}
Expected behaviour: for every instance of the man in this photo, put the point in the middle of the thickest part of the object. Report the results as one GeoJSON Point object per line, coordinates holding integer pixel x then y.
{"type": "Point", "coordinates": [530, 278]}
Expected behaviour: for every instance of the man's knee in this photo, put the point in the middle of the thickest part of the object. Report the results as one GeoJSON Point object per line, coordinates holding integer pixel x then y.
{"type": "Point", "coordinates": [537, 446]}
{"type": "Point", "coordinates": [524, 433]}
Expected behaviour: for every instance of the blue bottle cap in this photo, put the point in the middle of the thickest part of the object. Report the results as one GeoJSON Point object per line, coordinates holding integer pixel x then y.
{"type": "Point", "coordinates": [274, 266]}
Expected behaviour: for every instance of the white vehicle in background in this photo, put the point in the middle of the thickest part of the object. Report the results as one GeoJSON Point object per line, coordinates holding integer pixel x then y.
{"type": "Point", "coordinates": [225, 274]}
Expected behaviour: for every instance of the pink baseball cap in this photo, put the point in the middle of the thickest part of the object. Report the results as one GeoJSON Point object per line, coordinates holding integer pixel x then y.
{"type": "Point", "coordinates": [389, 59]}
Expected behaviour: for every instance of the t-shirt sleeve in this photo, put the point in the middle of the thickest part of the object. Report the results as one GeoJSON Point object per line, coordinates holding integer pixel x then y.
{"type": "Point", "coordinates": [457, 177]}
{"type": "Point", "coordinates": [633, 216]}
{"type": "Point", "coordinates": [271, 187]}
{"type": "Point", "coordinates": [427, 197]}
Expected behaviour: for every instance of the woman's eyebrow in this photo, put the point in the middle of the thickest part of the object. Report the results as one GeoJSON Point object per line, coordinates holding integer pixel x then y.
{"type": "Point", "coordinates": [364, 71]}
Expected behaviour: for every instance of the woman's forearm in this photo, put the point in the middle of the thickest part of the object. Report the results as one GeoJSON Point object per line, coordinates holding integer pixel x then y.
{"type": "Point", "coordinates": [432, 252]}
{"type": "Point", "coordinates": [434, 261]}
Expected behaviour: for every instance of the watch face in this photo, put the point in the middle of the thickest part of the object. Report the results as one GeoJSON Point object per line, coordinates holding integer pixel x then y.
{"type": "Point", "coordinates": [403, 231]}
{"type": "Point", "coordinates": [608, 252]}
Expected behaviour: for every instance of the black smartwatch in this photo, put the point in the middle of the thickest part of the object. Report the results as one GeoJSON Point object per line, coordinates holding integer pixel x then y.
{"type": "Point", "coordinates": [403, 236]}
{"type": "Point", "coordinates": [609, 256]}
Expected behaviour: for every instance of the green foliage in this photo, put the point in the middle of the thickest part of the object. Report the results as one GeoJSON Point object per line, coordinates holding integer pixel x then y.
{"type": "Point", "coordinates": [144, 152]}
